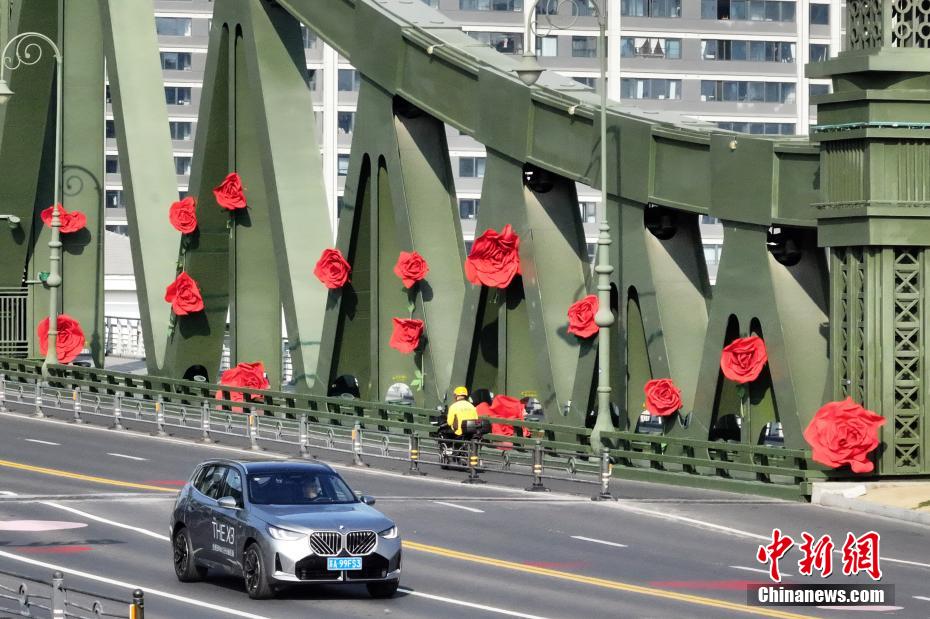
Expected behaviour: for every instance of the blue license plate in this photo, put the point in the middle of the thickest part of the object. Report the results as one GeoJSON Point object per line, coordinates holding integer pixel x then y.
{"type": "Point", "coordinates": [344, 563]}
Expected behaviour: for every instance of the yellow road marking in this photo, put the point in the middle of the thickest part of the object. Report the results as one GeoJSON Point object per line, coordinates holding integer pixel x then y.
{"type": "Point", "coordinates": [602, 582]}
{"type": "Point", "coordinates": [91, 478]}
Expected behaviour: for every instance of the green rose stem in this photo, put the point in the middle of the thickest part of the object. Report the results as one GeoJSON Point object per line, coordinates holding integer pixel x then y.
{"type": "Point", "coordinates": [745, 410]}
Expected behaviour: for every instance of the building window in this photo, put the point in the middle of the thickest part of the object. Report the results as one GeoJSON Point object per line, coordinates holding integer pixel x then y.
{"type": "Point", "coordinates": [310, 39]}
{"type": "Point", "coordinates": [468, 208]}
{"type": "Point", "coordinates": [349, 80]}
{"type": "Point", "coordinates": [111, 164]}
{"type": "Point", "coordinates": [177, 95]}
{"type": "Point", "coordinates": [651, 8]}
{"type": "Point", "coordinates": [342, 165]}
{"type": "Point", "coordinates": [759, 128]}
{"type": "Point", "coordinates": [114, 199]}
{"type": "Point", "coordinates": [110, 128]}
{"type": "Point", "coordinates": [753, 51]}
{"type": "Point", "coordinates": [765, 92]}
{"type": "Point", "coordinates": [182, 165]}
{"type": "Point", "coordinates": [590, 82]}
{"type": "Point", "coordinates": [815, 90]}
{"type": "Point", "coordinates": [584, 47]}
{"type": "Point", "coordinates": [471, 167]}
{"type": "Point", "coordinates": [648, 88]}
{"type": "Point", "coordinates": [504, 42]}
{"type": "Point", "coordinates": [173, 26]}
{"type": "Point", "coordinates": [180, 131]}
{"type": "Point", "coordinates": [117, 229]}
{"type": "Point", "coordinates": [712, 254]}
{"type": "Point", "coordinates": [490, 5]}
{"type": "Point", "coordinates": [311, 78]}
{"type": "Point", "coordinates": [640, 47]}
{"type": "Point", "coordinates": [345, 121]}
{"type": "Point", "coordinates": [820, 14]}
{"type": "Point", "coordinates": [819, 52]}
{"type": "Point", "coordinates": [547, 46]}
{"type": "Point", "coordinates": [588, 212]}
{"type": "Point", "coordinates": [176, 61]}
{"type": "Point", "coordinates": [709, 220]}
{"type": "Point", "coordinates": [592, 251]}
{"type": "Point", "coordinates": [748, 10]}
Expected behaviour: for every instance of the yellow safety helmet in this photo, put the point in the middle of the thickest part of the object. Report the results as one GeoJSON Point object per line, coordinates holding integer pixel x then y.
{"type": "Point", "coordinates": [460, 391]}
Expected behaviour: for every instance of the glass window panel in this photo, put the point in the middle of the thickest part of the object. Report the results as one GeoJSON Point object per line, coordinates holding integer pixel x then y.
{"type": "Point", "coordinates": [820, 14]}
{"type": "Point", "coordinates": [739, 10]}
{"type": "Point", "coordinates": [673, 49]}
{"type": "Point", "coordinates": [739, 50]}
{"type": "Point", "coordinates": [173, 26]}
{"type": "Point", "coordinates": [342, 165]}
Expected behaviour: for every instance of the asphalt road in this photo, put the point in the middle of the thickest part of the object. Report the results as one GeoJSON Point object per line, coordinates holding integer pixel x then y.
{"type": "Point", "coordinates": [471, 551]}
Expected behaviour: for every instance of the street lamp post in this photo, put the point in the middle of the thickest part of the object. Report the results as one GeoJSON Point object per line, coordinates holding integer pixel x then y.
{"type": "Point", "coordinates": [529, 72]}
{"type": "Point", "coordinates": [18, 52]}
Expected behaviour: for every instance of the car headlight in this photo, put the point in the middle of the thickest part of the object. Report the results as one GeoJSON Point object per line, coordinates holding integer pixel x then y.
{"type": "Point", "coordinates": [284, 534]}
{"type": "Point", "coordinates": [389, 533]}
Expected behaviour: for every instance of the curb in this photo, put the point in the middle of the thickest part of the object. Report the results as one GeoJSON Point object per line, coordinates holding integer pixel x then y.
{"type": "Point", "coordinates": [832, 499]}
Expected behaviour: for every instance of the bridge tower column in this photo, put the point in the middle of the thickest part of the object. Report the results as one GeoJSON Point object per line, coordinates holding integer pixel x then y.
{"type": "Point", "coordinates": [874, 131]}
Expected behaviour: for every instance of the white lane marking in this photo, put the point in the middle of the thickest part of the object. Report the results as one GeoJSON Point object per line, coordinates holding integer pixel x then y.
{"type": "Point", "coordinates": [598, 541]}
{"type": "Point", "coordinates": [105, 521]}
{"type": "Point", "coordinates": [903, 562]}
{"type": "Point", "coordinates": [754, 569]}
{"type": "Point", "coordinates": [35, 440]}
{"type": "Point", "coordinates": [492, 609]}
{"type": "Point", "coordinates": [468, 509]}
{"type": "Point", "coordinates": [920, 597]}
{"type": "Point", "coordinates": [8, 493]}
{"type": "Point", "coordinates": [231, 612]}
{"type": "Point", "coordinates": [115, 455]}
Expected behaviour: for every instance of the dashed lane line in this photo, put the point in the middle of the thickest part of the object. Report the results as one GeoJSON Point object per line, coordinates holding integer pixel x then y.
{"type": "Point", "coordinates": [754, 569]}
{"type": "Point", "coordinates": [136, 458]}
{"type": "Point", "coordinates": [493, 609]}
{"type": "Point", "coordinates": [35, 440]}
{"type": "Point", "coordinates": [462, 507]}
{"type": "Point", "coordinates": [598, 541]}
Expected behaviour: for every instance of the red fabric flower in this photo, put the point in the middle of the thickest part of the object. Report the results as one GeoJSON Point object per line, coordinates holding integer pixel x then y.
{"type": "Point", "coordinates": [70, 340]}
{"type": "Point", "coordinates": [581, 317]}
{"type": "Point", "coordinates": [506, 407]}
{"type": "Point", "coordinates": [70, 222]}
{"type": "Point", "coordinates": [183, 215]}
{"type": "Point", "coordinates": [406, 336]}
{"type": "Point", "coordinates": [229, 194]}
{"type": "Point", "coordinates": [411, 267]}
{"type": "Point", "coordinates": [844, 433]}
{"type": "Point", "coordinates": [494, 259]}
{"type": "Point", "coordinates": [248, 375]}
{"type": "Point", "coordinates": [332, 269]}
{"type": "Point", "coordinates": [742, 359]}
{"type": "Point", "coordinates": [184, 295]}
{"type": "Point", "coordinates": [662, 397]}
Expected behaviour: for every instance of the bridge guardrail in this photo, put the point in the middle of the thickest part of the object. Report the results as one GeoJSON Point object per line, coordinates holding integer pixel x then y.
{"type": "Point", "coordinates": [383, 430]}
{"type": "Point", "coordinates": [30, 597]}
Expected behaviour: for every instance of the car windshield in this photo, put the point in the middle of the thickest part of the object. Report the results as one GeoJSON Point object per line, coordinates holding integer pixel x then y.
{"type": "Point", "coordinates": [298, 488]}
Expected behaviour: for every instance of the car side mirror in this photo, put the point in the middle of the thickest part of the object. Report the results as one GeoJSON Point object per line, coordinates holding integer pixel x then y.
{"type": "Point", "coordinates": [367, 500]}
{"type": "Point", "coordinates": [228, 502]}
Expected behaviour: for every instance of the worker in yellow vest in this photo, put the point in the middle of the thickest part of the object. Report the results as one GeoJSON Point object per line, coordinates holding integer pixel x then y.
{"type": "Point", "coordinates": [460, 411]}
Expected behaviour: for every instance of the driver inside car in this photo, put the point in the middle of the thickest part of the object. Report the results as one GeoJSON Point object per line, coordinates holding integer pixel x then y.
{"type": "Point", "coordinates": [311, 489]}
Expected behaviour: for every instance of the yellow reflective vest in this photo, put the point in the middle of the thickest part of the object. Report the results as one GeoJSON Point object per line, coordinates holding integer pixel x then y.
{"type": "Point", "coordinates": [459, 413]}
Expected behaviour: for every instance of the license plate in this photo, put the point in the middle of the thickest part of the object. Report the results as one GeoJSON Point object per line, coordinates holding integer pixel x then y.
{"type": "Point", "coordinates": [344, 563]}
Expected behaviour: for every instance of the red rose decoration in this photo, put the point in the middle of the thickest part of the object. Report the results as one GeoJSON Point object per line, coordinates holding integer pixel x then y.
{"type": "Point", "coordinates": [183, 215]}
{"type": "Point", "coordinates": [184, 295]}
{"type": "Point", "coordinates": [742, 359]}
{"type": "Point", "coordinates": [663, 398]}
{"type": "Point", "coordinates": [70, 222]}
{"type": "Point", "coordinates": [494, 259]}
{"type": "Point", "coordinates": [411, 267]}
{"type": "Point", "coordinates": [248, 375]}
{"type": "Point", "coordinates": [406, 336]}
{"type": "Point", "coordinates": [332, 269]}
{"type": "Point", "coordinates": [581, 317]}
{"type": "Point", "coordinates": [844, 433]}
{"type": "Point", "coordinates": [70, 340]}
{"type": "Point", "coordinates": [229, 194]}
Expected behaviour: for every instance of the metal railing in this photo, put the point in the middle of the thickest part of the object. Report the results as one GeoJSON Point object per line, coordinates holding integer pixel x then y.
{"type": "Point", "coordinates": [302, 423]}
{"type": "Point", "coordinates": [14, 331]}
{"type": "Point", "coordinates": [30, 597]}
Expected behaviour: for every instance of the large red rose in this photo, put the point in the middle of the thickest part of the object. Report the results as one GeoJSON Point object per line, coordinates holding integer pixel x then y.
{"type": "Point", "coordinates": [663, 398]}
{"type": "Point", "coordinates": [581, 317]}
{"type": "Point", "coordinates": [229, 194]}
{"type": "Point", "coordinates": [70, 340]}
{"type": "Point", "coordinates": [248, 375]}
{"type": "Point", "coordinates": [70, 221]}
{"type": "Point", "coordinates": [844, 433]}
{"type": "Point", "coordinates": [494, 259]}
{"type": "Point", "coordinates": [406, 335]}
{"type": "Point", "coordinates": [184, 295]}
{"type": "Point", "coordinates": [742, 359]}
{"type": "Point", "coordinates": [332, 269]}
{"type": "Point", "coordinates": [183, 215]}
{"type": "Point", "coordinates": [411, 267]}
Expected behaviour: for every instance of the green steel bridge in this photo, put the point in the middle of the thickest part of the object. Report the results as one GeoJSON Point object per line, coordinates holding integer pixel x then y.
{"type": "Point", "coordinates": [825, 239]}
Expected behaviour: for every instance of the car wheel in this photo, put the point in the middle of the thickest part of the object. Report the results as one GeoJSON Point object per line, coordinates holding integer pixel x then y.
{"type": "Point", "coordinates": [383, 589]}
{"type": "Point", "coordinates": [257, 584]}
{"type": "Point", "coordinates": [184, 566]}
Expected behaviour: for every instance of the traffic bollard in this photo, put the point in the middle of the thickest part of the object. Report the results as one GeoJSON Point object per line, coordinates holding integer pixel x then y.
{"type": "Point", "coordinates": [537, 469]}
{"type": "Point", "coordinates": [473, 464]}
{"type": "Point", "coordinates": [302, 437]}
{"type": "Point", "coordinates": [38, 401]}
{"type": "Point", "coordinates": [76, 397]}
{"type": "Point", "coordinates": [137, 608]}
{"type": "Point", "coordinates": [205, 421]}
{"type": "Point", "coordinates": [606, 468]}
{"type": "Point", "coordinates": [58, 596]}
{"type": "Point", "coordinates": [159, 417]}
{"type": "Point", "coordinates": [253, 431]}
{"type": "Point", "coordinates": [2, 393]}
{"type": "Point", "coordinates": [414, 455]}
{"type": "Point", "coordinates": [357, 445]}
{"type": "Point", "coordinates": [117, 412]}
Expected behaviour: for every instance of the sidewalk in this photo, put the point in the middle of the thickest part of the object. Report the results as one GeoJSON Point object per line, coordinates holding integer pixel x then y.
{"type": "Point", "coordinates": [903, 500]}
